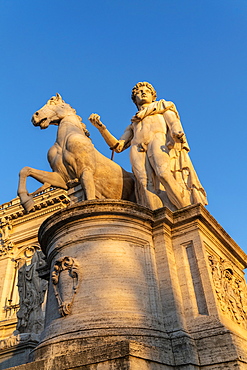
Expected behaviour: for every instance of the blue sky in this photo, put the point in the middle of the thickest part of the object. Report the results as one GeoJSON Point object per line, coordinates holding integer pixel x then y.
{"type": "Point", "coordinates": [194, 52]}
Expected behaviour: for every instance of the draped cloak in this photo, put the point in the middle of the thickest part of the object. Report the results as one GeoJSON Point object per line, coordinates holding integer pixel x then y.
{"type": "Point", "coordinates": [181, 165]}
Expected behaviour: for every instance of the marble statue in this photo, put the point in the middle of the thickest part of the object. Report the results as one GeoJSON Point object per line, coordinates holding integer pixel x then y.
{"type": "Point", "coordinates": [5, 227]}
{"type": "Point", "coordinates": [74, 159]}
{"type": "Point", "coordinates": [158, 152]}
{"type": "Point", "coordinates": [31, 297]}
{"type": "Point", "coordinates": [5, 243]}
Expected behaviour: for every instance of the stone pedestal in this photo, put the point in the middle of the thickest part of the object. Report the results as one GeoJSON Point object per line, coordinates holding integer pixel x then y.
{"type": "Point", "coordinates": [113, 269]}
{"type": "Point", "coordinates": [132, 288]}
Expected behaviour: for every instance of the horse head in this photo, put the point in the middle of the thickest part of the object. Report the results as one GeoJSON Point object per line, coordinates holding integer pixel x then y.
{"type": "Point", "coordinates": [52, 112]}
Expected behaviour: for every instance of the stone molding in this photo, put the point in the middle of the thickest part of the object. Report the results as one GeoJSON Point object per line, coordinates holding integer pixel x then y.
{"type": "Point", "coordinates": [16, 340]}
{"type": "Point", "coordinates": [82, 211]}
{"type": "Point", "coordinates": [49, 198]}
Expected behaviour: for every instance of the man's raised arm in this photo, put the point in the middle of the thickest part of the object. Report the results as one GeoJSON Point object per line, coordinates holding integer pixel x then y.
{"type": "Point", "coordinates": [117, 145]}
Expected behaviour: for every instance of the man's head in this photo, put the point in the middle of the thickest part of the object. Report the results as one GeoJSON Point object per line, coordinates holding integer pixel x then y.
{"type": "Point", "coordinates": [139, 86]}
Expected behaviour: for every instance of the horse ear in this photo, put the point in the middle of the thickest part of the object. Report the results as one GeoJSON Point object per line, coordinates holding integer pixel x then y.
{"type": "Point", "coordinates": [58, 96]}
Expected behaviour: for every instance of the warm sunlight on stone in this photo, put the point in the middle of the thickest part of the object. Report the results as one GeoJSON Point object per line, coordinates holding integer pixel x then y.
{"type": "Point", "coordinates": [129, 288]}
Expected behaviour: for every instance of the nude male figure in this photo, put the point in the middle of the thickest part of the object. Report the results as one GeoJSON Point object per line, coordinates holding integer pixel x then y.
{"type": "Point", "coordinates": [156, 138]}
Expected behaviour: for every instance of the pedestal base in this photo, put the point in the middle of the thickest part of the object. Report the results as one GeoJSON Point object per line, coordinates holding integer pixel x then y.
{"type": "Point", "coordinates": [16, 349]}
{"type": "Point", "coordinates": [132, 288]}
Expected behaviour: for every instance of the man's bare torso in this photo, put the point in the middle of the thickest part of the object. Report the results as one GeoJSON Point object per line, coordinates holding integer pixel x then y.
{"type": "Point", "coordinates": [146, 130]}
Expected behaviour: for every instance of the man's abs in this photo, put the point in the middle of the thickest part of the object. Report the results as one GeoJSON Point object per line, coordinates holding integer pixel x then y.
{"type": "Point", "coordinates": [146, 130]}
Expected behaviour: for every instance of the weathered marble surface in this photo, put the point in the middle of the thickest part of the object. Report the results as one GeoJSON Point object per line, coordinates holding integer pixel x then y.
{"type": "Point", "coordinates": [145, 287]}
{"type": "Point", "coordinates": [74, 159]}
{"type": "Point", "coordinates": [18, 244]}
{"type": "Point", "coordinates": [5, 243]}
{"type": "Point", "coordinates": [32, 291]}
{"type": "Point", "coordinates": [159, 152]}
{"type": "Point", "coordinates": [155, 290]}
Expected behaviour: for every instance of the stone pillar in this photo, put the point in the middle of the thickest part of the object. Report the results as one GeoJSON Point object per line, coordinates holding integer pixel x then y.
{"type": "Point", "coordinates": [202, 288]}
{"type": "Point", "coordinates": [104, 288]}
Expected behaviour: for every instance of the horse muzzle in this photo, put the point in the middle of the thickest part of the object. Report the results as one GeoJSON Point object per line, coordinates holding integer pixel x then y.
{"type": "Point", "coordinates": [36, 121]}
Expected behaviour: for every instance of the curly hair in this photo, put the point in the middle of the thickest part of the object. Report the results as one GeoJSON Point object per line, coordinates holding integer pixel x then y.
{"type": "Point", "coordinates": [140, 84]}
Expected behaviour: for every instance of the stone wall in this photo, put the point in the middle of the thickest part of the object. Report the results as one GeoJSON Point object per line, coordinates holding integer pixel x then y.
{"type": "Point", "coordinates": [18, 245]}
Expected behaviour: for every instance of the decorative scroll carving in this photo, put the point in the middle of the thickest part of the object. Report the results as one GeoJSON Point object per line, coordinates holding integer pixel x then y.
{"type": "Point", "coordinates": [5, 244]}
{"type": "Point", "coordinates": [230, 290]}
{"type": "Point", "coordinates": [31, 294]}
{"type": "Point", "coordinates": [64, 268]}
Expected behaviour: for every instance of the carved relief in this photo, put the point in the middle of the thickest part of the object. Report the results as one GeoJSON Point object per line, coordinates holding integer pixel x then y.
{"type": "Point", "coordinates": [27, 251]}
{"type": "Point", "coordinates": [15, 340]}
{"type": "Point", "coordinates": [9, 342]}
{"type": "Point", "coordinates": [230, 290]}
{"type": "Point", "coordinates": [5, 244]}
{"type": "Point", "coordinates": [65, 279]}
{"type": "Point", "coordinates": [5, 247]}
{"type": "Point", "coordinates": [31, 296]}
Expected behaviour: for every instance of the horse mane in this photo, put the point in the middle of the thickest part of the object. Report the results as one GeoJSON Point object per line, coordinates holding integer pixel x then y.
{"type": "Point", "coordinates": [58, 100]}
{"type": "Point", "coordinates": [87, 133]}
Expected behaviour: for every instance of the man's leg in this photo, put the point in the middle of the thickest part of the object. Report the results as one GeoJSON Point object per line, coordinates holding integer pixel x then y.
{"type": "Point", "coordinates": [143, 174]}
{"type": "Point", "coordinates": [160, 161]}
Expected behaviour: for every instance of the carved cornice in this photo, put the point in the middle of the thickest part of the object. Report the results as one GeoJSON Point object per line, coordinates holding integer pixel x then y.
{"type": "Point", "coordinates": [44, 199]}
{"type": "Point", "coordinates": [203, 220]}
{"type": "Point", "coordinates": [47, 201]}
{"type": "Point", "coordinates": [20, 340]}
{"type": "Point", "coordinates": [15, 225]}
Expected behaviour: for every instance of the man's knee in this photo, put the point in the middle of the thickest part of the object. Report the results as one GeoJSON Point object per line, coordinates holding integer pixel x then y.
{"type": "Point", "coordinates": [163, 171]}
{"type": "Point", "coordinates": [141, 178]}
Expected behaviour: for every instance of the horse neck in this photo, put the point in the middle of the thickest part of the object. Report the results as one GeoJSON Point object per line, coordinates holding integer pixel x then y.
{"type": "Point", "coordinates": [68, 125]}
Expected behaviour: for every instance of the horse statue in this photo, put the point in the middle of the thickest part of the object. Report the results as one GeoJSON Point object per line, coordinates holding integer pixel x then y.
{"type": "Point", "coordinates": [74, 159]}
